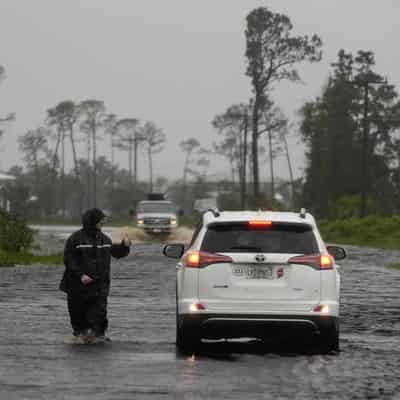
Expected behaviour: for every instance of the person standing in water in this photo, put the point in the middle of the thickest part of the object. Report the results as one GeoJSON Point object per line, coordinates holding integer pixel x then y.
{"type": "Point", "coordinates": [86, 279]}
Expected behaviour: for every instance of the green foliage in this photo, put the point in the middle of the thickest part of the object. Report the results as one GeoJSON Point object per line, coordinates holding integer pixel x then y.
{"type": "Point", "coordinates": [272, 50]}
{"type": "Point", "coordinates": [349, 207]}
{"type": "Point", "coordinates": [15, 235]}
{"type": "Point", "coordinates": [10, 259]}
{"type": "Point", "coordinates": [372, 231]}
{"type": "Point", "coordinates": [393, 266]}
{"type": "Point", "coordinates": [332, 128]}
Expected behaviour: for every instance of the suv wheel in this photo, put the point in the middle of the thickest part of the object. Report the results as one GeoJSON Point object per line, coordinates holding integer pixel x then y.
{"type": "Point", "coordinates": [187, 341]}
{"type": "Point", "coordinates": [329, 338]}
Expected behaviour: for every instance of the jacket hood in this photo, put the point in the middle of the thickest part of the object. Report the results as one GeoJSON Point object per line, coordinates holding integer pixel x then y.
{"type": "Point", "coordinates": [92, 217]}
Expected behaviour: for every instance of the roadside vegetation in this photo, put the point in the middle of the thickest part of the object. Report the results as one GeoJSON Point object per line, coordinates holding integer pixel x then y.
{"type": "Point", "coordinates": [393, 266]}
{"type": "Point", "coordinates": [26, 258]}
{"type": "Point", "coordinates": [16, 240]}
{"type": "Point", "coordinates": [372, 231]}
{"type": "Point", "coordinates": [350, 132]}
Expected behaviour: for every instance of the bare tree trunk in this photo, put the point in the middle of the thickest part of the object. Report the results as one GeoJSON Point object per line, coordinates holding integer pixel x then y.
{"type": "Point", "coordinates": [136, 144]}
{"type": "Point", "coordinates": [36, 166]}
{"type": "Point", "coordinates": [150, 170]}
{"type": "Point", "coordinates": [112, 165]}
{"type": "Point", "coordinates": [63, 172]}
{"type": "Point", "coordinates": [256, 178]}
{"type": "Point", "coordinates": [290, 168]}
{"type": "Point", "coordinates": [71, 136]}
{"type": "Point", "coordinates": [185, 168]}
{"type": "Point", "coordinates": [244, 162]}
{"type": "Point", "coordinates": [185, 172]}
{"type": "Point", "coordinates": [94, 165]}
{"type": "Point", "coordinates": [55, 156]}
{"type": "Point", "coordinates": [76, 167]}
{"type": "Point", "coordinates": [88, 174]}
{"type": "Point", "coordinates": [271, 165]}
{"type": "Point", "coordinates": [232, 165]}
{"type": "Point", "coordinates": [54, 170]}
{"type": "Point", "coordinates": [130, 162]}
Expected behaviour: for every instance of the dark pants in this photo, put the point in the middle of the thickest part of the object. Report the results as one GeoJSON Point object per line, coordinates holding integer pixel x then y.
{"type": "Point", "coordinates": [88, 313]}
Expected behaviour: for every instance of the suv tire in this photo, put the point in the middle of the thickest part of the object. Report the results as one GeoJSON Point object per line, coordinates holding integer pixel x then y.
{"type": "Point", "coordinates": [329, 338]}
{"type": "Point", "coordinates": [187, 341]}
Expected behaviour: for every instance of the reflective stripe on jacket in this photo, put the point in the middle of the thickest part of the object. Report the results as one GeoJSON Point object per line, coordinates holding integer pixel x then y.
{"type": "Point", "coordinates": [90, 255]}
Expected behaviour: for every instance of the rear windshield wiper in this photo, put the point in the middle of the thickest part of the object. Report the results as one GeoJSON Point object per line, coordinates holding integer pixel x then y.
{"type": "Point", "coordinates": [249, 248]}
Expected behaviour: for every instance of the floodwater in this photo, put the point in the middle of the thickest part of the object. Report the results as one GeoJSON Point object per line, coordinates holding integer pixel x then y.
{"type": "Point", "coordinates": [36, 362]}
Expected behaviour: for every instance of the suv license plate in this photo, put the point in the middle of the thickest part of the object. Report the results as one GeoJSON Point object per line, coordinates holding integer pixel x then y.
{"type": "Point", "coordinates": [250, 272]}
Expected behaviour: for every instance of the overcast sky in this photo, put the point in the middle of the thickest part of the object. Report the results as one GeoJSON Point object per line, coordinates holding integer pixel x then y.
{"type": "Point", "coordinates": [175, 62]}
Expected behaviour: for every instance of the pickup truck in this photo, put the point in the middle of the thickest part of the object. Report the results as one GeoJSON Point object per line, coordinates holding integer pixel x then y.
{"type": "Point", "coordinates": [156, 216]}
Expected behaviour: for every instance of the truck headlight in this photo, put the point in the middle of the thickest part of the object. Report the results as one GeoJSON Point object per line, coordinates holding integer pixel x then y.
{"type": "Point", "coordinates": [173, 221]}
{"type": "Point", "coordinates": [140, 221]}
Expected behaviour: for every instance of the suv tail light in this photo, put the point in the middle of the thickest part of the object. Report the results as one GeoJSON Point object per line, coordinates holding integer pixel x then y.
{"type": "Point", "coordinates": [259, 224]}
{"type": "Point", "coordinates": [317, 261]}
{"type": "Point", "coordinates": [200, 259]}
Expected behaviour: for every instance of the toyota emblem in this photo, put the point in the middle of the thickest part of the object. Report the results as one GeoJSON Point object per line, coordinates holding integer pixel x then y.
{"type": "Point", "coordinates": [260, 257]}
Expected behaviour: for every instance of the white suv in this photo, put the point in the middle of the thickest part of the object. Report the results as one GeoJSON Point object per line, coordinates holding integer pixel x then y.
{"type": "Point", "coordinates": [256, 275]}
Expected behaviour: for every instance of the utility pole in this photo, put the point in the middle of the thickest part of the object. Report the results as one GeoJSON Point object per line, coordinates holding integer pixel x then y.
{"type": "Point", "coordinates": [365, 84]}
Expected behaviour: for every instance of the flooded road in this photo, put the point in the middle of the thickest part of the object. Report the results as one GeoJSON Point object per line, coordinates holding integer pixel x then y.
{"type": "Point", "coordinates": [141, 362]}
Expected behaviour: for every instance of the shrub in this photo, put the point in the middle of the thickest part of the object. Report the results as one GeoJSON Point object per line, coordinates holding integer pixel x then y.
{"type": "Point", "coordinates": [15, 235]}
{"type": "Point", "coordinates": [372, 231]}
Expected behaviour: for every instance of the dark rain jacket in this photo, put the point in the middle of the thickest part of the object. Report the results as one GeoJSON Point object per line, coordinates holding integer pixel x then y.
{"type": "Point", "coordinates": [88, 251]}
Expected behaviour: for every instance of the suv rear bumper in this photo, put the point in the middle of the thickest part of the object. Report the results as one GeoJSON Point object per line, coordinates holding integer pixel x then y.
{"type": "Point", "coordinates": [219, 326]}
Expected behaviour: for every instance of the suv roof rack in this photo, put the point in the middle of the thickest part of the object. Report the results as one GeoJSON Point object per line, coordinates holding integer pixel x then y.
{"type": "Point", "coordinates": [214, 212]}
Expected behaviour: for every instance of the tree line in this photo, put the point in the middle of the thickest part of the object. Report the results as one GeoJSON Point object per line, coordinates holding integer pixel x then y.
{"type": "Point", "coordinates": [352, 137]}
{"type": "Point", "coordinates": [46, 186]}
{"type": "Point", "coordinates": [350, 132]}
{"type": "Point", "coordinates": [77, 128]}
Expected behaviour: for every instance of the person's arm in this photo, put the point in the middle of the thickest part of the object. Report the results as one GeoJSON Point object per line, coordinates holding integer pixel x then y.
{"type": "Point", "coordinates": [122, 249]}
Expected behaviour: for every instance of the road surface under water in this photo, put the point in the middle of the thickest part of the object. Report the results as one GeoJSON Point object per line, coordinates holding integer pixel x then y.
{"type": "Point", "coordinates": [141, 362]}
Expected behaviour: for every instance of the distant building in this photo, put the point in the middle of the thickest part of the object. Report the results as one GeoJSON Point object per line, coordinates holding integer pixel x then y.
{"type": "Point", "coordinates": [4, 203]}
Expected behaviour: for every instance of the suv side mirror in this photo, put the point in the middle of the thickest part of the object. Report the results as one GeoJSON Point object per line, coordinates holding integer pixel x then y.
{"type": "Point", "coordinates": [174, 250]}
{"type": "Point", "coordinates": [337, 252]}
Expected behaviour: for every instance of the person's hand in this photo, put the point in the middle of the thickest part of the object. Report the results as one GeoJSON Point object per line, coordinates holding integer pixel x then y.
{"type": "Point", "coordinates": [126, 241]}
{"type": "Point", "coordinates": [86, 279]}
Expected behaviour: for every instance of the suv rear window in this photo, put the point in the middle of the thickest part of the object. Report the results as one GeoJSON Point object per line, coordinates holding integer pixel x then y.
{"type": "Point", "coordinates": [240, 238]}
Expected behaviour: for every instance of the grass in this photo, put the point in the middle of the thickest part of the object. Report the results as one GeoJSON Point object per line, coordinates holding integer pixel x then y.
{"type": "Point", "coordinates": [393, 266]}
{"type": "Point", "coordinates": [373, 231]}
{"type": "Point", "coordinates": [26, 258]}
